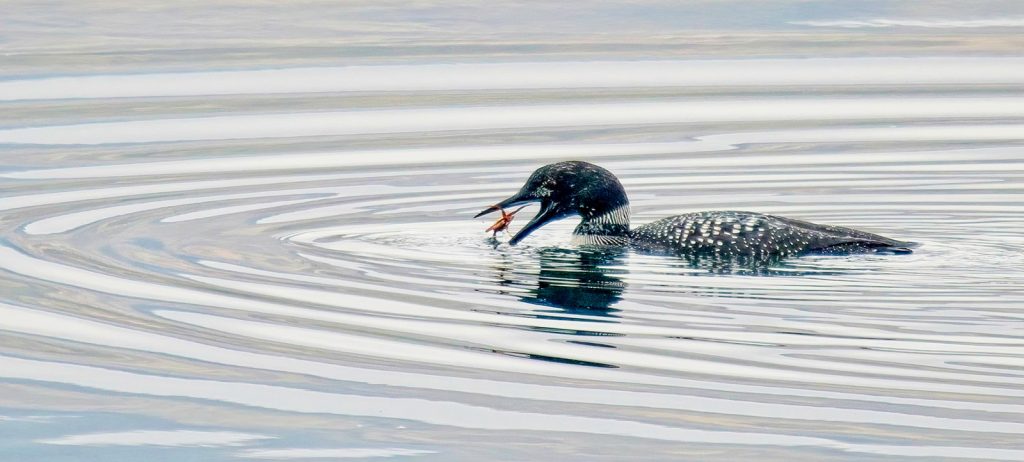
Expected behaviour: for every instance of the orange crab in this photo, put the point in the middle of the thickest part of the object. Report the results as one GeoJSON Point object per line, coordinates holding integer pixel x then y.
{"type": "Point", "coordinates": [504, 221]}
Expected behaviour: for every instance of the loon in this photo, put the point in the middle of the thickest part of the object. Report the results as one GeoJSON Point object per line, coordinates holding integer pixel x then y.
{"type": "Point", "coordinates": [593, 193]}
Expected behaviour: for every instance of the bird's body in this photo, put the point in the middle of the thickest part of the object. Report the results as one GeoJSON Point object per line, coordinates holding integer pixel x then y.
{"type": "Point", "coordinates": [748, 234]}
{"type": "Point", "coordinates": [580, 188]}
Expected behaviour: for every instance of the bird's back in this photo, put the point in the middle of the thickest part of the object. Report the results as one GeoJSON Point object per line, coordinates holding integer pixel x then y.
{"type": "Point", "coordinates": [754, 235]}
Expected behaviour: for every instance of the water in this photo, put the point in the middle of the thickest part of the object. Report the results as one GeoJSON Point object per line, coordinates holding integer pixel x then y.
{"type": "Point", "coordinates": [218, 249]}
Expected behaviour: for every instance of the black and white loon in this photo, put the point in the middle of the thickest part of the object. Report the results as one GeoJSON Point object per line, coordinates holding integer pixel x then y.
{"type": "Point", "coordinates": [579, 188]}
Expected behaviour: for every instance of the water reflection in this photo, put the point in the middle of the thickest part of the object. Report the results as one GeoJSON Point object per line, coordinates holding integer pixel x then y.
{"type": "Point", "coordinates": [575, 281]}
{"type": "Point", "coordinates": [341, 278]}
{"type": "Point", "coordinates": [710, 264]}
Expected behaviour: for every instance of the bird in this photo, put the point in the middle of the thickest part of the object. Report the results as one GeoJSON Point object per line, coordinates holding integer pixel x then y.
{"type": "Point", "coordinates": [577, 188]}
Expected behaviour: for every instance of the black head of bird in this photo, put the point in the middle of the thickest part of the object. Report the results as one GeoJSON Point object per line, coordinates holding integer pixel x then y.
{"type": "Point", "coordinates": [566, 189]}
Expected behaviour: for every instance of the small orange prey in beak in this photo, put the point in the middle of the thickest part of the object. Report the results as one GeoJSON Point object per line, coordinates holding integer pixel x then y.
{"type": "Point", "coordinates": [504, 221]}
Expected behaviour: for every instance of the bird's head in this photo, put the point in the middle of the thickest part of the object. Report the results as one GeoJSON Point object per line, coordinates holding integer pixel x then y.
{"type": "Point", "coordinates": [565, 189]}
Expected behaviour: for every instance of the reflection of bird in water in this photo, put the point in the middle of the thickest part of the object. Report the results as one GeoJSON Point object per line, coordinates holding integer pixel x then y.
{"type": "Point", "coordinates": [571, 283]}
{"type": "Point", "coordinates": [572, 188]}
{"type": "Point", "coordinates": [575, 281]}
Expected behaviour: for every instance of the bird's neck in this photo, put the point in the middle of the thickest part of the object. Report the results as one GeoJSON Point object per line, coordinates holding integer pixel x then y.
{"type": "Point", "coordinates": [608, 227]}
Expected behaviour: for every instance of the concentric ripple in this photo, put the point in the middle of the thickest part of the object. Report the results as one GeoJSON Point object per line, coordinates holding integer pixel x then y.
{"type": "Point", "coordinates": [309, 272]}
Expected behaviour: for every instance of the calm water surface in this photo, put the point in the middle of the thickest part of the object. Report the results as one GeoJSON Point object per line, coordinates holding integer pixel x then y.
{"type": "Point", "coordinates": [273, 257]}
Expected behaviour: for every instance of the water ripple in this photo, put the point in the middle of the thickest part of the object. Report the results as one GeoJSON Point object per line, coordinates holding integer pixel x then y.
{"type": "Point", "coordinates": [320, 268]}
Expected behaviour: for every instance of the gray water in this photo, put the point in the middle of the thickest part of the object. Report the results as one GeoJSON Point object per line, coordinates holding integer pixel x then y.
{"type": "Point", "coordinates": [243, 232]}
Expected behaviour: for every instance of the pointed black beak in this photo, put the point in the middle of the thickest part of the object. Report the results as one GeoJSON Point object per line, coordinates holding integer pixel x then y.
{"type": "Point", "coordinates": [548, 212]}
{"type": "Point", "coordinates": [493, 208]}
{"type": "Point", "coordinates": [507, 203]}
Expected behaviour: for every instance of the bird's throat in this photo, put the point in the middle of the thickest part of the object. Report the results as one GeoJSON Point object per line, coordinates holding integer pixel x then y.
{"type": "Point", "coordinates": [607, 228]}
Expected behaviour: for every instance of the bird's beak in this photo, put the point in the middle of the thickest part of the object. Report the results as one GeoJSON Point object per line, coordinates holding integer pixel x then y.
{"type": "Point", "coordinates": [513, 201]}
{"type": "Point", "coordinates": [547, 213]}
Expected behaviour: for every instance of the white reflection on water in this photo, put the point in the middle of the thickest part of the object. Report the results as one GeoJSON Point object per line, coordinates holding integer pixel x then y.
{"type": "Point", "coordinates": [157, 438]}
{"type": "Point", "coordinates": [514, 117]}
{"type": "Point", "coordinates": [332, 453]}
{"type": "Point", "coordinates": [932, 24]}
{"type": "Point", "coordinates": [558, 75]}
{"type": "Point", "coordinates": [440, 413]}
